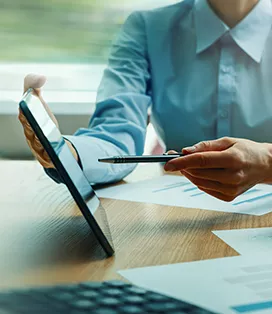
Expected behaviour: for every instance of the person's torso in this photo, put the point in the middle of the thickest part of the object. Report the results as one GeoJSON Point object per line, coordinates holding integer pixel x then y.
{"type": "Point", "coordinates": [219, 92]}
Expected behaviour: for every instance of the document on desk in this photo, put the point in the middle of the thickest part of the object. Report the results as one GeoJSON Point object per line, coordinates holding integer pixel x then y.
{"type": "Point", "coordinates": [239, 284]}
{"type": "Point", "coordinates": [179, 191]}
{"type": "Point", "coordinates": [248, 241]}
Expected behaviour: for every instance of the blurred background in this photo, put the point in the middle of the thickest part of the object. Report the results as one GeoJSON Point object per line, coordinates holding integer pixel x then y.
{"type": "Point", "coordinates": [69, 42]}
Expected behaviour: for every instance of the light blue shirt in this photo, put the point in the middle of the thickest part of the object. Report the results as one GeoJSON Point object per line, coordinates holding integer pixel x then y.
{"type": "Point", "coordinates": [201, 80]}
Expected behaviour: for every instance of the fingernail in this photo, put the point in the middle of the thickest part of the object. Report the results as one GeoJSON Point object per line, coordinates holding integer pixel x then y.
{"type": "Point", "coordinates": [190, 149]}
{"type": "Point", "coordinates": [170, 152]}
{"type": "Point", "coordinates": [170, 167]}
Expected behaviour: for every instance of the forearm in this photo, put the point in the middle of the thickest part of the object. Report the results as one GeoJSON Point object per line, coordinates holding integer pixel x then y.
{"type": "Point", "coordinates": [118, 125]}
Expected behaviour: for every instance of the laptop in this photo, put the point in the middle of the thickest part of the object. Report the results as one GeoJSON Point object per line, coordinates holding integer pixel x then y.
{"type": "Point", "coordinates": [68, 169]}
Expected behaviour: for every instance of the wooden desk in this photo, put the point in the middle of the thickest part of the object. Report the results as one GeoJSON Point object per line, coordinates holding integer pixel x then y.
{"type": "Point", "coordinates": [45, 240]}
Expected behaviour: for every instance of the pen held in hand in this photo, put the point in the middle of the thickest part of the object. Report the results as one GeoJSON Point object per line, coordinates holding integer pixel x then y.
{"type": "Point", "coordinates": [125, 159]}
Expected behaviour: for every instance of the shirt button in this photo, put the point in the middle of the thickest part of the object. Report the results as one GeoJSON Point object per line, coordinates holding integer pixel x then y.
{"type": "Point", "coordinates": [224, 69]}
{"type": "Point", "coordinates": [223, 114]}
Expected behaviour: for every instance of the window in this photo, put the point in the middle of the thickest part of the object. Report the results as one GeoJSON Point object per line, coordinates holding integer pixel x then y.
{"type": "Point", "coordinates": [66, 40]}
{"type": "Point", "coordinates": [62, 31]}
{"type": "Point", "coordinates": [57, 31]}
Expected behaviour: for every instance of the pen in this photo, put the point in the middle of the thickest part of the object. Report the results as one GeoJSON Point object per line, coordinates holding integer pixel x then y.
{"type": "Point", "coordinates": [125, 159]}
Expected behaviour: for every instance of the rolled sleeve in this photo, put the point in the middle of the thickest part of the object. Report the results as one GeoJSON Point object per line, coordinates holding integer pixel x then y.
{"type": "Point", "coordinates": [90, 150]}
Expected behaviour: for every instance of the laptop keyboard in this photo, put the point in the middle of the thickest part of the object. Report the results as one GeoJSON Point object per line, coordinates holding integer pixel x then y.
{"type": "Point", "coordinates": [113, 297]}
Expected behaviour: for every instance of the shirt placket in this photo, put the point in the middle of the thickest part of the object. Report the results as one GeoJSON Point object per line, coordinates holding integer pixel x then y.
{"type": "Point", "coordinates": [226, 86]}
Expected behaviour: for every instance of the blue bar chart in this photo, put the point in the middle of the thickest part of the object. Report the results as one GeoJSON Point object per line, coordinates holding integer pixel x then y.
{"type": "Point", "coordinates": [250, 308]}
{"type": "Point", "coordinates": [178, 191]}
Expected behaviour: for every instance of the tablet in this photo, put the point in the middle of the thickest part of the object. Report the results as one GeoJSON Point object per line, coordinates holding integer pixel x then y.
{"type": "Point", "coordinates": [68, 169]}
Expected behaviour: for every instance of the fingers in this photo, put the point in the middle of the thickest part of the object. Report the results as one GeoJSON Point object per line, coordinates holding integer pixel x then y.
{"type": "Point", "coordinates": [44, 160]}
{"type": "Point", "coordinates": [215, 145]}
{"type": "Point", "coordinates": [226, 176]}
{"type": "Point", "coordinates": [27, 128]}
{"type": "Point", "coordinates": [218, 195]}
{"type": "Point", "coordinates": [202, 160]}
{"type": "Point", "coordinates": [171, 152]}
{"type": "Point", "coordinates": [34, 143]}
{"type": "Point", "coordinates": [34, 81]}
{"type": "Point", "coordinates": [39, 153]}
{"type": "Point", "coordinates": [226, 192]}
{"type": "Point", "coordinates": [222, 196]}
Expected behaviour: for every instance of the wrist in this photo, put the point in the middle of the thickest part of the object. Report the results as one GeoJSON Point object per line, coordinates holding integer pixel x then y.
{"type": "Point", "coordinates": [72, 149]}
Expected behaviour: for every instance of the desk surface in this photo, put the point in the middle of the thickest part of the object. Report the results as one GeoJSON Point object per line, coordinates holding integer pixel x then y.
{"type": "Point", "coordinates": [45, 240]}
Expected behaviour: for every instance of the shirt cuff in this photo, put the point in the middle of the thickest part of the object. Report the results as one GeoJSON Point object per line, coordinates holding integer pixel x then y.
{"type": "Point", "coordinates": [89, 150]}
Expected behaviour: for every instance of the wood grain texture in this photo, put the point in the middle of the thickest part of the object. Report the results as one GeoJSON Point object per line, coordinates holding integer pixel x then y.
{"type": "Point", "coordinates": [45, 240]}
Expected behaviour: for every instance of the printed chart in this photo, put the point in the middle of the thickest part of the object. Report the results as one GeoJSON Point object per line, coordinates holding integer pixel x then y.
{"type": "Point", "coordinates": [178, 191]}
{"type": "Point", "coordinates": [226, 285]}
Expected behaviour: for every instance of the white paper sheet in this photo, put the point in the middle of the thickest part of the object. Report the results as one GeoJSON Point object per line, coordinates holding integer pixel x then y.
{"type": "Point", "coordinates": [248, 241]}
{"type": "Point", "coordinates": [228, 285]}
{"type": "Point", "coordinates": [179, 191]}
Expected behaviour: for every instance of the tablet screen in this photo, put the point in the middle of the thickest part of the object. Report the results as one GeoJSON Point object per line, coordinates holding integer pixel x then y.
{"type": "Point", "coordinates": [68, 168]}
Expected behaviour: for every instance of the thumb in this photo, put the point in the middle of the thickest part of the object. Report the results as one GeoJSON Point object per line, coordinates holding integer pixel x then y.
{"type": "Point", "coordinates": [171, 152]}
{"type": "Point", "coordinates": [34, 81]}
{"type": "Point", "coordinates": [215, 145]}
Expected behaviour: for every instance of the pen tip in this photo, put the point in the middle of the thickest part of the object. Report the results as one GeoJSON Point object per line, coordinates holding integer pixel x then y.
{"type": "Point", "coordinates": [106, 160]}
